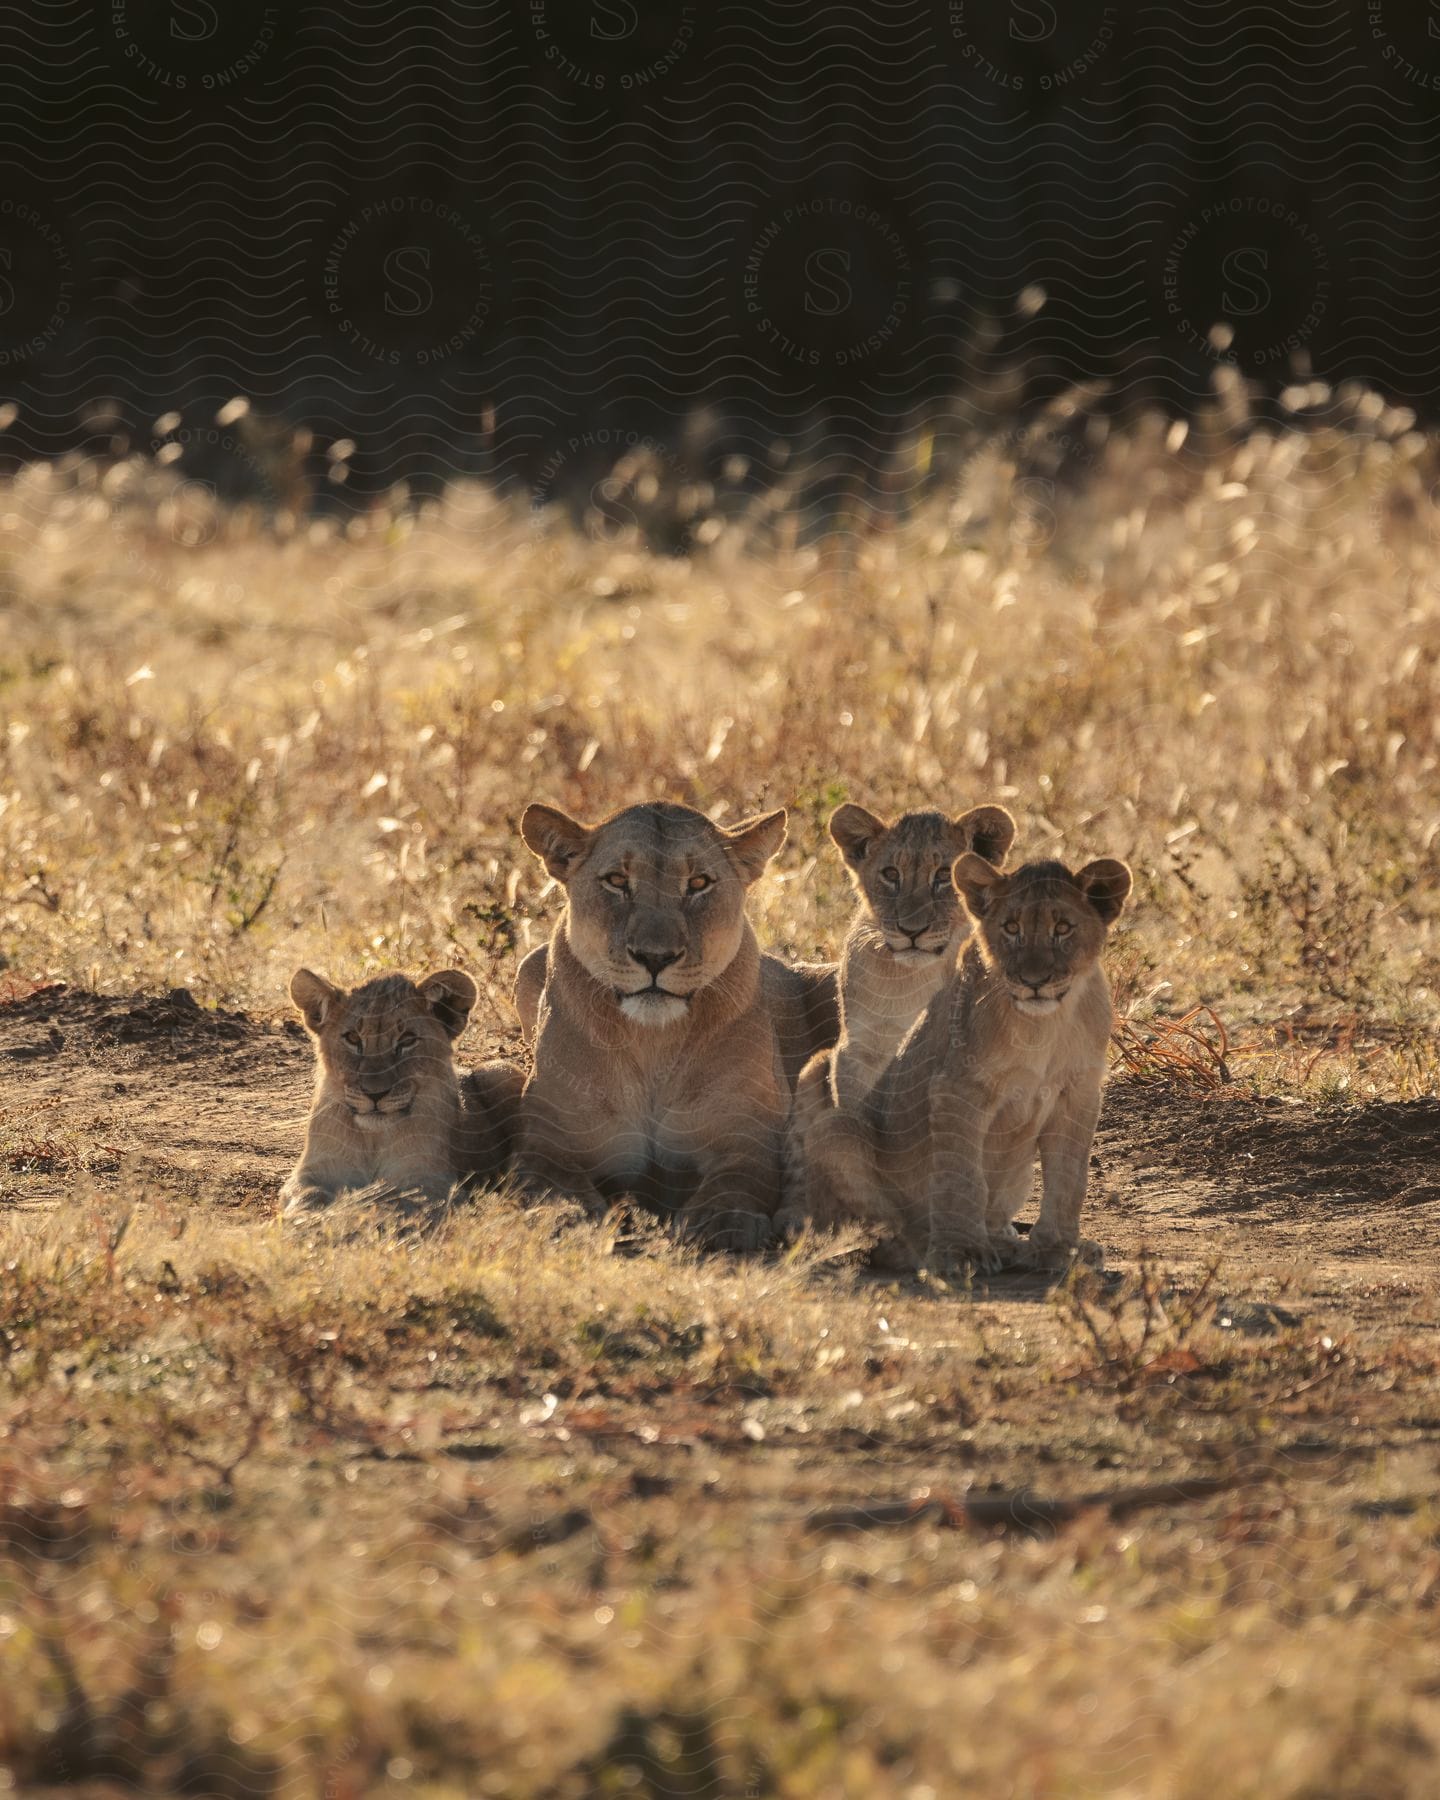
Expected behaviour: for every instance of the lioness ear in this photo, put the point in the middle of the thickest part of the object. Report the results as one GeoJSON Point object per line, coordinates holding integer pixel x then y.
{"type": "Point", "coordinates": [557, 839]}
{"type": "Point", "coordinates": [753, 842]}
{"type": "Point", "coordinates": [987, 830]}
{"type": "Point", "coordinates": [313, 995]}
{"type": "Point", "coordinates": [1106, 885]}
{"type": "Point", "coordinates": [977, 882]}
{"type": "Point", "coordinates": [451, 996]}
{"type": "Point", "coordinates": [854, 829]}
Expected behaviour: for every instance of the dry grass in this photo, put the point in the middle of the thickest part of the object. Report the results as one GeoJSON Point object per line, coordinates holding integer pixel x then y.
{"type": "Point", "coordinates": [525, 1509]}
{"type": "Point", "coordinates": [472, 1516]}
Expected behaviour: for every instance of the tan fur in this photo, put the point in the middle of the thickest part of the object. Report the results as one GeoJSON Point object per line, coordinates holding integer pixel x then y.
{"type": "Point", "coordinates": [907, 929]}
{"type": "Point", "coordinates": [802, 1000]}
{"type": "Point", "coordinates": [1006, 1061]}
{"type": "Point", "coordinates": [665, 1044]}
{"type": "Point", "coordinates": [390, 1110]}
{"type": "Point", "coordinates": [901, 946]}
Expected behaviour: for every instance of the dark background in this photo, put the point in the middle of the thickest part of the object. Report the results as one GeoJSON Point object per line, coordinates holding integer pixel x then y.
{"type": "Point", "coordinates": [512, 237]}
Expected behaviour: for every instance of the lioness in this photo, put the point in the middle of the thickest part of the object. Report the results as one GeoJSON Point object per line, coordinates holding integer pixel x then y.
{"type": "Point", "coordinates": [1008, 1059]}
{"type": "Point", "coordinates": [389, 1108]}
{"type": "Point", "coordinates": [665, 1044]}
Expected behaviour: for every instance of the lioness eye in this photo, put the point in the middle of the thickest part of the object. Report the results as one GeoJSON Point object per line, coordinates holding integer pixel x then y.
{"type": "Point", "coordinates": [353, 1037]}
{"type": "Point", "coordinates": [619, 881]}
{"type": "Point", "coordinates": [1063, 928]}
{"type": "Point", "coordinates": [1012, 928]}
{"type": "Point", "coordinates": [890, 875]}
{"type": "Point", "coordinates": [697, 884]}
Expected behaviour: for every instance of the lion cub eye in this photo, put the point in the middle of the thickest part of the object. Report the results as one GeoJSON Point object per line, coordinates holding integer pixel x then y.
{"type": "Point", "coordinates": [1063, 928]}
{"type": "Point", "coordinates": [942, 879]}
{"type": "Point", "coordinates": [405, 1042]}
{"type": "Point", "coordinates": [619, 881]}
{"type": "Point", "coordinates": [892, 875]}
{"type": "Point", "coordinates": [1012, 928]}
{"type": "Point", "coordinates": [697, 884]}
{"type": "Point", "coordinates": [353, 1037]}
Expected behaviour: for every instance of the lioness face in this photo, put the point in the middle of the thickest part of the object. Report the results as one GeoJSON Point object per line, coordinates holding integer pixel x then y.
{"type": "Point", "coordinates": [656, 897]}
{"type": "Point", "coordinates": [902, 871]}
{"type": "Point", "coordinates": [386, 1043]}
{"type": "Point", "coordinates": [1042, 926]}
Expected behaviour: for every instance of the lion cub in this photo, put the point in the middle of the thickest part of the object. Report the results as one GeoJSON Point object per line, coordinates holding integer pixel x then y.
{"type": "Point", "coordinates": [1006, 1061]}
{"type": "Point", "coordinates": [389, 1107]}
{"type": "Point", "coordinates": [906, 931]}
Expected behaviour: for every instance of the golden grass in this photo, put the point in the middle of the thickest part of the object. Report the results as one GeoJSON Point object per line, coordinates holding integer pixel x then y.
{"type": "Point", "coordinates": [221, 758]}
{"type": "Point", "coordinates": [522, 1509]}
{"type": "Point", "coordinates": [498, 1513]}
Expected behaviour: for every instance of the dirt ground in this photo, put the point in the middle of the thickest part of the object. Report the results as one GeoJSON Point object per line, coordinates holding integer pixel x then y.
{"type": "Point", "coordinates": [209, 1105]}
{"type": "Point", "coordinates": [668, 1442]}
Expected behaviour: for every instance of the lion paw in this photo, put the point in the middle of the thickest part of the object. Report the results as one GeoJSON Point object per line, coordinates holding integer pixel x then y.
{"type": "Point", "coordinates": [1057, 1253]}
{"type": "Point", "coordinates": [955, 1259]}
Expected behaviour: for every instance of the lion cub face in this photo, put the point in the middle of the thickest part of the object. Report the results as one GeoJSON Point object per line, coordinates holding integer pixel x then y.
{"type": "Point", "coordinates": [1042, 927]}
{"type": "Point", "coordinates": [902, 871]}
{"type": "Point", "coordinates": [656, 897]}
{"type": "Point", "coordinates": [385, 1045]}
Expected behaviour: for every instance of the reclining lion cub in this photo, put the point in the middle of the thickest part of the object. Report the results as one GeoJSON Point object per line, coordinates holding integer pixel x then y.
{"type": "Point", "coordinates": [665, 1044]}
{"type": "Point", "coordinates": [389, 1109]}
{"type": "Point", "coordinates": [1008, 1060]}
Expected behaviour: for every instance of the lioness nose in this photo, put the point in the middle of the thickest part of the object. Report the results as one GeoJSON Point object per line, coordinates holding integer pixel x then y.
{"type": "Point", "coordinates": [656, 960]}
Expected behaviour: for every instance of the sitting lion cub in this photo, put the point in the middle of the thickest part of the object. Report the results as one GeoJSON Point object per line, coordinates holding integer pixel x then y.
{"type": "Point", "coordinates": [1007, 1060]}
{"type": "Point", "coordinates": [664, 1042]}
{"type": "Point", "coordinates": [906, 931]}
{"type": "Point", "coordinates": [389, 1109]}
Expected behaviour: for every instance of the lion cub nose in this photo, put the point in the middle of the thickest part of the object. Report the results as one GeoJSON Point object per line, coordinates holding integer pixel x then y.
{"type": "Point", "coordinates": [376, 1087]}
{"type": "Point", "coordinates": [656, 960]}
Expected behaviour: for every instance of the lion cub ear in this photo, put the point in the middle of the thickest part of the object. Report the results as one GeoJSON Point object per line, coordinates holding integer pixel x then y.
{"type": "Point", "coordinates": [1106, 885]}
{"type": "Point", "coordinates": [977, 882]}
{"type": "Point", "coordinates": [557, 839]}
{"type": "Point", "coordinates": [987, 830]}
{"type": "Point", "coordinates": [753, 842]}
{"type": "Point", "coordinates": [313, 995]}
{"type": "Point", "coordinates": [854, 829]}
{"type": "Point", "coordinates": [451, 996]}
